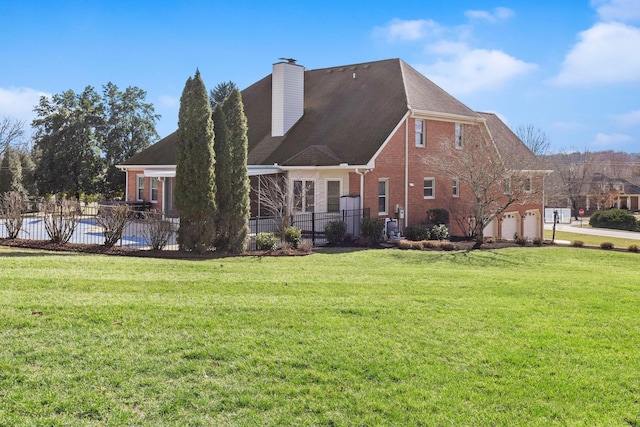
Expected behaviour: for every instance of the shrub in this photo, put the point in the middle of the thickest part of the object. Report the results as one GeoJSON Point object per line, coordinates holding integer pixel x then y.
{"type": "Point", "coordinates": [305, 245]}
{"type": "Point", "coordinates": [619, 219]}
{"type": "Point", "coordinates": [428, 244]}
{"type": "Point", "coordinates": [372, 229]}
{"type": "Point", "coordinates": [11, 207]}
{"type": "Point", "coordinates": [577, 243]}
{"type": "Point", "coordinates": [335, 231]}
{"type": "Point", "coordinates": [404, 244]}
{"type": "Point", "coordinates": [156, 230]}
{"type": "Point", "coordinates": [634, 248]}
{"type": "Point", "coordinates": [113, 219]}
{"type": "Point", "coordinates": [522, 241]}
{"type": "Point", "coordinates": [437, 216]}
{"type": "Point", "coordinates": [292, 236]}
{"type": "Point", "coordinates": [537, 241]}
{"type": "Point", "coordinates": [448, 246]}
{"type": "Point", "coordinates": [61, 218]}
{"type": "Point", "coordinates": [440, 232]}
{"type": "Point", "coordinates": [417, 233]}
{"type": "Point", "coordinates": [606, 245]}
{"type": "Point", "coordinates": [267, 241]}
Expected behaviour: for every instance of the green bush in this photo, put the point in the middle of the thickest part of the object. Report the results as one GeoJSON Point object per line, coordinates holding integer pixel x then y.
{"type": "Point", "coordinates": [618, 219]}
{"type": "Point", "coordinates": [417, 233]}
{"type": "Point", "coordinates": [292, 236]}
{"type": "Point", "coordinates": [440, 232]}
{"type": "Point", "coordinates": [437, 216]}
{"type": "Point", "coordinates": [267, 241]}
{"type": "Point", "coordinates": [371, 229]}
{"type": "Point", "coordinates": [335, 231]}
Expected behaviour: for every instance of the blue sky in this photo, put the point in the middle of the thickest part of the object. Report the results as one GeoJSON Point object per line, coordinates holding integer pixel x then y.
{"type": "Point", "coordinates": [570, 68]}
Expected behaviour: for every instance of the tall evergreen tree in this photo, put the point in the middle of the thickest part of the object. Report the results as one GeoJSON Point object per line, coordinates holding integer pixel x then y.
{"type": "Point", "coordinates": [231, 173]}
{"type": "Point", "coordinates": [195, 191]}
{"type": "Point", "coordinates": [11, 172]}
{"type": "Point", "coordinates": [68, 140]}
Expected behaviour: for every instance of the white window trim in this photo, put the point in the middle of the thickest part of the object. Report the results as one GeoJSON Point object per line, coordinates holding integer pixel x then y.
{"type": "Point", "coordinates": [157, 182]}
{"type": "Point", "coordinates": [386, 196]}
{"type": "Point", "coordinates": [139, 189]}
{"type": "Point", "coordinates": [433, 187]}
{"type": "Point", "coordinates": [456, 187]}
{"type": "Point", "coordinates": [304, 195]}
{"type": "Point", "coordinates": [458, 133]}
{"type": "Point", "coordinates": [326, 189]}
{"type": "Point", "coordinates": [422, 143]}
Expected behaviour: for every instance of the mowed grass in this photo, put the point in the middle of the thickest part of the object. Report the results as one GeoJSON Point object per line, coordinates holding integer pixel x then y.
{"type": "Point", "coordinates": [592, 240]}
{"type": "Point", "coordinates": [520, 336]}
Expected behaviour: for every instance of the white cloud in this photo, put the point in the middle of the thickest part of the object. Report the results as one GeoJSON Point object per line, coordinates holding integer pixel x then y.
{"type": "Point", "coordinates": [604, 54]}
{"type": "Point", "coordinates": [616, 140]}
{"type": "Point", "coordinates": [19, 102]}
{"type": "Point", "coordinates": [618, 10]}
{"type": "Point", "coordinates": [499, 14]}
{"type": "Point", "coordinates": [463, 70]}
{"type": "Point", "coordinates": [627, 120]}
{"type": "Point", "coordinates": [408, 30]}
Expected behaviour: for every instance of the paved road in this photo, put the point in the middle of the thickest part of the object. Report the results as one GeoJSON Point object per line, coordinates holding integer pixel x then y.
{"type": "Point", "coordinates": [575, 228]}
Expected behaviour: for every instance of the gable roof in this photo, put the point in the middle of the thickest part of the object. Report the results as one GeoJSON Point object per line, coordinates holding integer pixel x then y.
{"type": "Point", "coordinates": [515, 154]}
{"type": "Point", "coordinates": [349, 111]}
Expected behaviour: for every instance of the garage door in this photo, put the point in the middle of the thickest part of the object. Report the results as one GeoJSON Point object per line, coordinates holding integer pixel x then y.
{"type": "Point", "coordinates": [491, 230]}
{"type": "Point", "coordinates": [510, 225]}
{"type": "Point", "coordinates": [532, 225]}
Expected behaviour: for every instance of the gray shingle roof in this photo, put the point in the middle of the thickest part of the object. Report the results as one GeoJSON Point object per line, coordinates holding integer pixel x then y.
{"type": "Point", "coordinates": [349, 111]}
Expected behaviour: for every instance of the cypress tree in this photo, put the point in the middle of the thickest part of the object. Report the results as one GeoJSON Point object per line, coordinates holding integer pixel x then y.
{"type": "Point", "coordinates": [195, 190]}
{"type": "Point", "coordinates": [234, 208]}
{"type": "Point", "coordinates": [11, 172]}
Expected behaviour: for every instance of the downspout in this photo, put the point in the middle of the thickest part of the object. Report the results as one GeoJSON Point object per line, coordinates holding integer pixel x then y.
{"type": "Point", "coordinates": [362, 174]}
{"type": "Point", "coordinates": [406, 173]}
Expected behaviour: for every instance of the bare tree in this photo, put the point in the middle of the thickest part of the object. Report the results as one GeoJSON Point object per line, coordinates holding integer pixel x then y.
{"type": "Point", "coordinates": [11, 133]}
{"type": "Point", "coordinates": [11, 207]}
{"type": "Point", "coordinates": [571, 178]}
{"type": "Point", "coordinates": [534, 138]}
{"type": "Point", "coordinates": [489, 182]}
{"type": "Point", "coordinates": [113, 220]}
{"type": "Point", "coordinates": [273, 196]}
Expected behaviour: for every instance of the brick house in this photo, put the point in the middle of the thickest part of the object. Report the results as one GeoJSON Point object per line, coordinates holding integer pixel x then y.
{"type": "Point", "coordinates": [357, 136]}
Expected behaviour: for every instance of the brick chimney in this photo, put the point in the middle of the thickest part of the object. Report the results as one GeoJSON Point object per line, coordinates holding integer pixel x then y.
{"type": "Point", "coordinates": [287, 96]}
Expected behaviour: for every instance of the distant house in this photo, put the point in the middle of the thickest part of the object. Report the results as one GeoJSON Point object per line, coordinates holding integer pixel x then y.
{"type": "Point", "coordinates": [353, 136]}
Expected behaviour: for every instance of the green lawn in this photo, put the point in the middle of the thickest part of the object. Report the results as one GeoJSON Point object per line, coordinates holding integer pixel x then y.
{"type": "Point", "coordinates": [520, 336]}
{"type": "Point", "coordinates": [591, 240]}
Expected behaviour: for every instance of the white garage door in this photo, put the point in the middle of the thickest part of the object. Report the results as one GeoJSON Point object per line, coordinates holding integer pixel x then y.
{"type": "Point", "coordinates": [510, 223]}
{"type": "Point", "coordinates": [532, 225]}
{"type": "Point", "coordinates": [491, 230]}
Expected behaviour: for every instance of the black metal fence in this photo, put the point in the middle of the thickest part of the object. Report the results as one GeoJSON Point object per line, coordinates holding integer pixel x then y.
{"type": "Point", "coordinates": [136, 234]}
{"type": "Point", "coordinates": [312, 224]}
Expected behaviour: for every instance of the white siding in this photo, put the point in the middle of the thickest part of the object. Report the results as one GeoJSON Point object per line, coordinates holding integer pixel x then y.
{"type": "Point", "coordinates": [287, 100]}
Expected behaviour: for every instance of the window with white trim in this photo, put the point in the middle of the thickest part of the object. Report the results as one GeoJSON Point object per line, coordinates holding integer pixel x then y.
{"type": "Point", "coordinates": [456, 188]}
{"type": "Point", "coordinates": [333, 195]}
{"type": "Point", "coordinates": [507, 186]}
{"type": "Point", "coordinates": [429, 188]}
{"type": "Point", "coordinates": [154, 189]}
{"type": "Point", "coordinates": [304, 195]}
{"type": "Point", "coordinates": [458, 135]}
{"type": "Point", "coordinates": [139, 187]}
{"type": "Point", "coordinates": [383, 196]}
{"type": "Point", "coordinates": [419, 133]}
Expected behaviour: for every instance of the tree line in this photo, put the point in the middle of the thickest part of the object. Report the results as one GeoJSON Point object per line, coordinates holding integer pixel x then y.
{"type": "Point", "coordinates": [78, 139]}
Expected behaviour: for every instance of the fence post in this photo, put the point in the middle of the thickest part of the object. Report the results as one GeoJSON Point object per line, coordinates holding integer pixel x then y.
{"type": "Point", "coordinates": [313, 228]}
